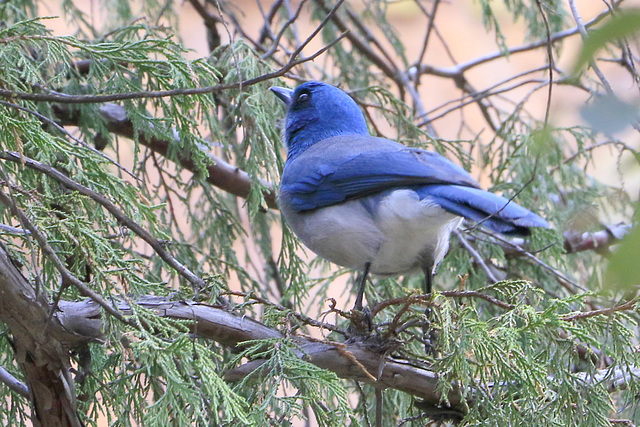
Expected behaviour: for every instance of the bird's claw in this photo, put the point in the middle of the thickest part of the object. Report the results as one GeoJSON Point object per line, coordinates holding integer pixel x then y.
{"type": "Point", "coordinates": [429, 333]}
{"type": "Point", "coordinates": [361, 322]}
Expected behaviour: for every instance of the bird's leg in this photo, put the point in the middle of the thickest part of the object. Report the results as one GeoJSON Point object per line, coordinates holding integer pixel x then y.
{"type": "Point", "coordinates": [428, 279]}
{"type": "Point", "coordinates": [428, 333]}
{"type": "Point", "coordinates": [360, 317]}
{"type": "Point", "coordinates": [363, 282]}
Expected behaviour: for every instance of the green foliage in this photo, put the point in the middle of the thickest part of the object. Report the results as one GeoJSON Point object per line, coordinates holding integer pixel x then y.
{"type": "Point", "coordinates": [149, 377]}
{"type": "Point", "coordinates": [529, 11]}
{"type": "Point", "coordinates": [623, 271]}
{"type": "Point", "coordinates": [621, 25]}
{"type": "Point", "coordinates": [505, 364]}
{"type": "Point", "coordinates": [521, 353]}
{"type": "Point", "coordinates": [283, 372]}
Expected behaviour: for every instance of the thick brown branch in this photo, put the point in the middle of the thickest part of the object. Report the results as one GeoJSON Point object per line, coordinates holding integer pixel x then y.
{"type": "Point", "coordinates": [354, 361]}
{"type": "Point", "coordinates": [220, 173]}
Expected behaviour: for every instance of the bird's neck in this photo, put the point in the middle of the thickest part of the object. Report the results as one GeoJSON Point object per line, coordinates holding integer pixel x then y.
{"type": "Point", "coordinates": [300, 139]}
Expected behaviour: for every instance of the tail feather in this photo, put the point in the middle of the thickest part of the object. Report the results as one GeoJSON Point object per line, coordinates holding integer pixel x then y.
{"type": "Point", "coordinates": [492, 211]}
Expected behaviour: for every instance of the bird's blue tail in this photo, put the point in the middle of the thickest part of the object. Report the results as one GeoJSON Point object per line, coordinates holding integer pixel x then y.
{"type": "Point", "coordinates": [492, 211]}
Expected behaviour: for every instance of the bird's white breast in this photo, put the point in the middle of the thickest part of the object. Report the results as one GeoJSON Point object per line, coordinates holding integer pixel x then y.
{"type": "Point", "coordinates": [396, 233]}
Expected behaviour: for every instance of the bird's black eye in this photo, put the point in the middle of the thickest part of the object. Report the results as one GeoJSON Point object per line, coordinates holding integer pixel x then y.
{"type": "Point", "coordinates": [303, 97]}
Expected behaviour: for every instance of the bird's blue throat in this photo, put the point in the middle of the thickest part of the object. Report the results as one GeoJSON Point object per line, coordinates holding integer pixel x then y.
{"type": "Point", "coordinates": [299, 139]}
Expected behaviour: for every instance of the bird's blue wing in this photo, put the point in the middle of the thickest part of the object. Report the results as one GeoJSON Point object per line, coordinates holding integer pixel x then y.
{"type": "Point", "coordinates": [352, 166]}
{"type": "Point", "coordinates": [495, 212]}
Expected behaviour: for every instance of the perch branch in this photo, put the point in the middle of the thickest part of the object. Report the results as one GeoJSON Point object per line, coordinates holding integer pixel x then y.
{"type": "Point", "coordinates": [210, 322]}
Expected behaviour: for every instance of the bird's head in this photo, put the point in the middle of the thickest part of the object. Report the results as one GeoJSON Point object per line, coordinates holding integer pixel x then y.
{"type": "Point", "coordinates": [316, 111]}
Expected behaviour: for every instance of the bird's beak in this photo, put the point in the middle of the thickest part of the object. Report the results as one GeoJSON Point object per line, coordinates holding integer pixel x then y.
{"type": "Point", "coordinates": [283, 94]}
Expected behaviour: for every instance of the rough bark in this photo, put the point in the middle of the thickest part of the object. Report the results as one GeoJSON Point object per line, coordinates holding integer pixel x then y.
{"type": "Point", "coordinates": [357, 360]}
{"type": "Point", "coordinates": [41, 348]}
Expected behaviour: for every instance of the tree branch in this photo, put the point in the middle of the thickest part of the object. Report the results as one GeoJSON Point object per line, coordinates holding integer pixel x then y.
{"type": "Point", "coordinates": [388, 69]}
{"type": "Point", "coordinates": [235, 181]}
{"type": "Point", "coordinates": [625, 306]}
{"type": "Point", "coordinates": [219, 173]}
{"type": "Point", "coordinates": [50, 253]}
{"type": "Point", "coordinates": [453, 72]}
{"type": "Point", "coordinates": [41, 349]}
{"type": "Point", "coordinates": [595, 241]}
{"type": "Point", "coordinates": [583, 32]}
{"type": "Point", "coordinates": [353, 361]}
{"type": "Point", "coordinates": [79, 321]}
{"type": "Point", "coordinates": [358, 361]}
{"type": "Point", "coordinates": [13, 383]}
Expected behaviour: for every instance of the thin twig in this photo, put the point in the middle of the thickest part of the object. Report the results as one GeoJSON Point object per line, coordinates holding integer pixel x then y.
{"type": "Point", "coordinates": [48, 121]}
{"type": "Point", "coordinates": [50, 253]}
{"type": "Point", "coordinates": [276, 41]}
{"type": "Point", "coordinates": [301, 317]}
{"type": "Point", "coordinates": [388, 69]}
{"type": "Point", "coordinates": [550, 60]}
{"type": "Point", "coordinates": [369, 36]}
{"type": "Point", "coordinates": [268, 18]}
{"type": "Point", "coordinates": [330, 15]}
{"type": "Point", "coordinates": [103, 200]}
{"type": "Point", "coordinates": [629, 305]}
{"type": "Point", "coordinates": [363, 402]}
{"type": "Point", "coordinates": [475, 256]}
{"type": "Point", "coordinates": [590, 148]}
{"type": "Point", "coordinates": [487, 91]}
{"type": "Point", "coordinates": [567, 283]}
{"type": "Point", "coordinates": [457, 70]}
{"type": "Point", "coordinates": [426, 300]}
{"type": "Point", "coordinates": [63, 98]}
{"type": "Point", "coordinates": [417, 101]}
{"type": "Point", "coordinates": [583, 32]}
{"type": "Point", "coordinates": [431, 16]}
{"type": "Point", "coordinates": [210, 21]}
{"type": "Point", "coordinates": [219, 173]}
{"type": "Point", "coordinates": [484, 94]}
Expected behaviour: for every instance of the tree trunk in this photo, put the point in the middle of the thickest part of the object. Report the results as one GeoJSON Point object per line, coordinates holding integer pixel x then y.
{"type": "Point", "coordinates": [41, 348]}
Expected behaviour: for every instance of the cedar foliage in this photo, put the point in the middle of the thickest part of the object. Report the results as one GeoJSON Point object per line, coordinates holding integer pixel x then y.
{"type": "Point", "coordinates": [536, 346]}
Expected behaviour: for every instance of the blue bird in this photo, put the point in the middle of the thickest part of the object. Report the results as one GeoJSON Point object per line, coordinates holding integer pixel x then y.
{"type": "Point", "coordinates": [372, 204]}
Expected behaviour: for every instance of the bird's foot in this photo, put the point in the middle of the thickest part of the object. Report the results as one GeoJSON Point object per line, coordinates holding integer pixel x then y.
{"type": "Point", "coordinates": [361, 322]}
{"type": "Point", "coordinates": [429, 334]}
{"type": "Point", "coordinates": [439, 413]}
